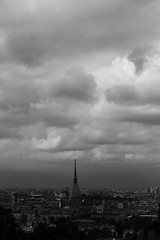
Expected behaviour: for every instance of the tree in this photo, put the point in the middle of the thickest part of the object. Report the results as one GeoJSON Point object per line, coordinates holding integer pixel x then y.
{"type": "Point", "coordinates": [8, 227]}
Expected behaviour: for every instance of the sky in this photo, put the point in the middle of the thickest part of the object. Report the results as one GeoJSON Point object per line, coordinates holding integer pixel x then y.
{"type": "Point", "coordinates": [79, 80]}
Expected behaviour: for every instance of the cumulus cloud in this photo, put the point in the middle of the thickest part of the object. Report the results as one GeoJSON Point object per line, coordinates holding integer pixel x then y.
{"type": "Point", "coordinates": [76, 84]}
{"type": "Point", "coordinates": [136, 90]}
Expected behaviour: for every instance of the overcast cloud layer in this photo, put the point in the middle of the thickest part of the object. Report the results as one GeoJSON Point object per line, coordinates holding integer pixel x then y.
{"type": "Point", "coordinates": [80, 80]}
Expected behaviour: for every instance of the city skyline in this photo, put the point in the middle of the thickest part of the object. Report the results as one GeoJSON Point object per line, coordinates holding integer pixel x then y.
{"type": "Point", "coordinates": [32, 180]}
{"type": "Point", "coordinates": [79, 81]}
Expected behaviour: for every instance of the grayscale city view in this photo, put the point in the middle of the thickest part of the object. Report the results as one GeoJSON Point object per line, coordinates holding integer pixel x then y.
{"type": "Point", "coordinates": [79, 120]}
{"type": "Point", "coordinates": [71, 213]}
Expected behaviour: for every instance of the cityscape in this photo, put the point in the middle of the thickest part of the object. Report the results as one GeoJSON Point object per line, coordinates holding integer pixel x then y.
{"type": "Point", "coordinates": [79, 120]}
{"type": "Point", "coordinates": [109, 213]}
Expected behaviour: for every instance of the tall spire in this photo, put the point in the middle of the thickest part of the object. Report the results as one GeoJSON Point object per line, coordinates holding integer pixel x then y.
{"type": "Point", "coordinates": [75, 173]}
{"type": "Point", "coordinates": [76, 193]}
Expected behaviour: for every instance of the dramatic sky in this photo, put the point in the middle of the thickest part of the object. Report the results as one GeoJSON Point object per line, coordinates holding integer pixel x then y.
{"type": "Point", "coordinates": [79, 79]}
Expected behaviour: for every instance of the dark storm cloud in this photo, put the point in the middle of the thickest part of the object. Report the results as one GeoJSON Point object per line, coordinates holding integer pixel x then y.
{"type": "Point", "coordinates": [123, 94]}
{"type": "Point", "coordinates": [118, 141]}
{"type": "Point", "coordinates": [26, 48]}
{"type": "Point", "coordinates": [48, 116]}
{"type": "Point", "coordinates": [8, 133]}
{"type": "Point", "coordinates": [52, 117]}
{"type": "Point", "coordinates": [138, 57]}
{"type": "Point", "coordinates": [76, 84]}
{"type": "Point", "coordinates": [18, 94]}
{"type": "Point", "coordinates": [148, 118]}
{"type": "Point", "coordinates": [25, 102]}
{"type": "Point", "coordinates": [67, 29]}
